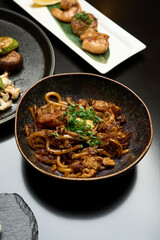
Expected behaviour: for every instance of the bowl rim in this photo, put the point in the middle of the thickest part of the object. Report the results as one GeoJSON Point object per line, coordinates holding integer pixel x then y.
{"type": "Point", "coordinates": [109, 176]}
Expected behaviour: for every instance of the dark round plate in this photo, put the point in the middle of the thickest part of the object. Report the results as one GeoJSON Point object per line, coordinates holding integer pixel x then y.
{"type": "Point", "coordinates": [83, 85]}
{"type": "Point", "coordinates": [35, 48]}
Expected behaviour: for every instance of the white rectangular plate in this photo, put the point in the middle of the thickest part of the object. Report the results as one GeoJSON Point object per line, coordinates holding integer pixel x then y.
{"type": "Point", "coordinates": [122, 44]}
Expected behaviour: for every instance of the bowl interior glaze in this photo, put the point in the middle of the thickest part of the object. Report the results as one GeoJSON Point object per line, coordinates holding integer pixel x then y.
{"type": "Point", "coordinates": [84, 85]}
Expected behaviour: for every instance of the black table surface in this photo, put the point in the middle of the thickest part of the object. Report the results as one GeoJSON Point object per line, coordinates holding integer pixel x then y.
{"type": "Point", "coordinates": [126, 207]}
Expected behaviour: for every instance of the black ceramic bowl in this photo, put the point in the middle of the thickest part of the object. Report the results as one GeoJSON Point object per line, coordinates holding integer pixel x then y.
{"type": "Point", "coordinates": [84, 85]}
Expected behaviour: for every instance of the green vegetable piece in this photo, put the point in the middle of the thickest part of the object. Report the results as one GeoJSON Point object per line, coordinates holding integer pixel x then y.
{"type": "Point", "coordinates": [7, 44]}
{"type": "Point", "coordinates": [77, 123]}
{"type": "Point", "coordinates": [84, 17]}
{"type": "Point", "coordinates": [1, 85]}
{"type": "Point", "coordinates": [56, 135]}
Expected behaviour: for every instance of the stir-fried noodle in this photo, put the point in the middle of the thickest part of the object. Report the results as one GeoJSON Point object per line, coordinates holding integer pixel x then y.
{"type": "Point", "coordinates": [78, 139]}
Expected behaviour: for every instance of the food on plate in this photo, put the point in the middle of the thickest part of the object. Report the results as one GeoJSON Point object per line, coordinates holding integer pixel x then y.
{"type": "Point", "coordinates": [7, 44]}
{"type": "Point", "coordinates": [8, 92]}
{"type": "Point", "coordinates": [67, 4]}
{"type": "Point", "coordinates": [11, 61]}
{"type": "Point", "coordinates": [77, 138]}
{"type": "Point", "coordinates": [46, 2]}
{"type": "Point", "coordinates": [70, 8]}
{"type": "Point", "coordinates": [95, 42]}
{"type": "Point", "coordinates": [83, 22]}
{"type": "Point", "coordinates": [84, 25]}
